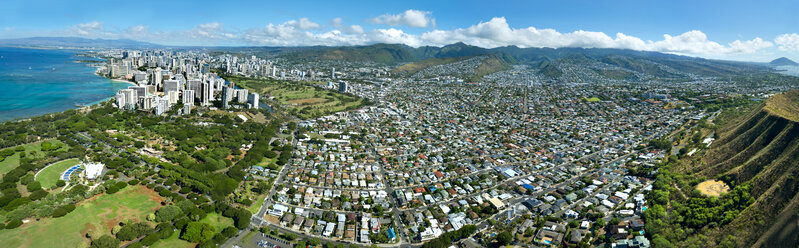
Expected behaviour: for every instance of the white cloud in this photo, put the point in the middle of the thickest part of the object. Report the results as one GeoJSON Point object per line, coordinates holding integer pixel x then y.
{"type": "Point", "coordinates": [90, 29]}
{"type": "Point", "coordinates": [338, 23]}
{"type": "Point", "coordinates": [211, 30]}
{"type": "Point", "coordinates": [291, 34]}
{"type": "Point", "coordinates": [303, 24]}
{"type": "Point", "coordinates": [394, 36]}
{"type": "Point", "coordinates": [411, 18]}
{"type": "Point", "coordinates": [696, 42]}
{"type": "Point", "coordinates": [137, 29]}
{"type": "Point", "coordinates": [788, 42]}
{"type": "Point", "coordinates": [495, 32]}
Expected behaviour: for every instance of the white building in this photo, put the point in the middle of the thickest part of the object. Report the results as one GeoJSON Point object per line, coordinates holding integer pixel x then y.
{"type": "Point", "coordinates": [93, 170]}
{"type": "Point", "coordinates": [126, 99]}
{"type": "Point", "coordinates": [188, 97]}
{"type": "Point", "coordinates": [254, 100]}
{"type": "Point", "coordinates": [241, 95]}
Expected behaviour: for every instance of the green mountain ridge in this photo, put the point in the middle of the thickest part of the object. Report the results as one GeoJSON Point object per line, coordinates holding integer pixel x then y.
{"type": "Point", "coordinates": [639, 61]}
{"type": "Point", "coordinates": [760, 150]}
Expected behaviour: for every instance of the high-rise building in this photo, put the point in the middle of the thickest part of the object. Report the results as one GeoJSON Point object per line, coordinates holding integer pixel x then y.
{"type": "Point", "coordinates": [113, 71]}
{"type": "Point", "coordinates": [343, 86]}
{"type": "Point", "coordinates": [139, 76]}
{"type": "Point", "coordinates": [196, 86]}
{"type": "Point", "coordinates": [172, 85]}
{"type": "Point", "coordinates": [205, 97]}
{"type": "Point", "coordinates": [126, 99]}
{"type": "Point", "coordinates": [150, 89]}
{"type": "Point", "coordinates": [254, 100]}
{"type": "Point", "coordinates": [227, 96]}
{"type": "Point", "coordinates": [157, 76]}
{"type": "Point", "coordinates": [186, 108]}
{"type": "Point", "coordinates": [172, 97]}
{"type": "Point", "coordinates": [241, 95]}
{"type": "Point", "coordinates": [188, 97]}
{"type": "Point", "coordinates": [333, 73]}
{"type": "Point", "coordinates": [147, 102]}
{"type": "Point", "coordinates": [141, 91]}
{"type": "Point", "coordinates": [120, 100]}
{"type": "Point", "coordinates": [162, 106]}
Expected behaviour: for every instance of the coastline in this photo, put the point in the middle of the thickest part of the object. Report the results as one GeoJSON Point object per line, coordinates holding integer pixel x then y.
{"type": "Point", "coordinates": [101, 68]}
{"type": "Point", "coordinates": [123, 81]}
{"type": "Point", "coordinates": [80, 103]}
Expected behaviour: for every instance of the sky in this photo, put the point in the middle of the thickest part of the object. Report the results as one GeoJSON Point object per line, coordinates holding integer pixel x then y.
{"type": "Point", "coordinates": [732, 30]}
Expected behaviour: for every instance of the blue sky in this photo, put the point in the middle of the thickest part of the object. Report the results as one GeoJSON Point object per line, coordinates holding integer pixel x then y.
{"type": "Point", "coordinates": [739, 30]}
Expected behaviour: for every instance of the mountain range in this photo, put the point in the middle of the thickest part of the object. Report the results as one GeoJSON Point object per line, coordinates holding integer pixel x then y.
{"type": "Point", "coordinates": [653, 63]}
{"type": "Point", "coordinates": [760, 149]}
{"type": "Point", "coordinates": [783, 61]}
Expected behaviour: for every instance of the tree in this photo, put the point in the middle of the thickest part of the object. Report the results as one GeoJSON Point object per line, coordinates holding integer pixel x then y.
{"type": "Point", "coordinates": [14, 224]}
{"type": "Point", "coordinates": [63, 210]}
{"type": "Point", "coordinates": [660, 241]}
{"type": "Point", "coordinates": [198, 232]}
{"type": "Point", "coordinates": [599, 223]}
{"type": "Point", "coordinates": [504, 238]}
{"type": "Point", "coordinates": [133, 231]}
{"type": "Point", "coordinates": [106, 241]}
{"type": "Point", "coordinates": [39, 194]}
{"type": "Point", "coordinates": [242, 219]}
{"type": "Point", "coordinates": [167, 213]}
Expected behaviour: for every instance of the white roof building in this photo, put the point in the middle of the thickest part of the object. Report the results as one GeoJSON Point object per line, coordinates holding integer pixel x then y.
{"type": "Point", "coordinates": [93, 170]}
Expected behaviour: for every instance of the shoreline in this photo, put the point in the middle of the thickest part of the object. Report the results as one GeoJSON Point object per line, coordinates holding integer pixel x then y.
{"type": "Point", "coordinates": [102, 67]}
{"type": "Point", "coordinates": [122, 81]}
{"type": "Point", "coordinates": [77, 105]}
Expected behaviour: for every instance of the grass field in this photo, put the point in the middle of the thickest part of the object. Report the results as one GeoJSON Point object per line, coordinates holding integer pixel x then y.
{"type": "Point", "coordinates": [98, 215]}
{"type": "Point", "coordinates": [592, 99]}
{"type": "Point", "coordinates": [265, 162]}
{"type": "Point", "coordinates": [217, 221]}
{"type": "Point", "coordinates": [49, 176]}
{"type": "Point", "coordinates": [9, 163]}
{"type": "Point", "coordinates": [257, 204]}
{"type": "Point", "coordinates": [34, 149]}
{"type": "Point", "coordinates": [301, 99]}
{"type": "Point", "coordinates": [173, 241]}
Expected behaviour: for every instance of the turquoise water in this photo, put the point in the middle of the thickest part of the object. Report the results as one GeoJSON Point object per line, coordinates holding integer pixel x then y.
{"type": "Point", "coordinates": [36, 82]}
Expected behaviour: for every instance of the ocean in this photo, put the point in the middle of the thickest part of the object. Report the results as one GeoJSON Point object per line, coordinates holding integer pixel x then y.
{"type": "Point", "coordinates": [38, 81]}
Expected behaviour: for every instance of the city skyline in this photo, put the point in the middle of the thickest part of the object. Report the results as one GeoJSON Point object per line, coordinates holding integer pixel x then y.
{"type": "Point", "coordinates": [718, 30]}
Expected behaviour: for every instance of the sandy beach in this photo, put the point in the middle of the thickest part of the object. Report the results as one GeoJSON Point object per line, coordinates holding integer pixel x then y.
{"type": "Point", "coordinates": [123, 81]}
